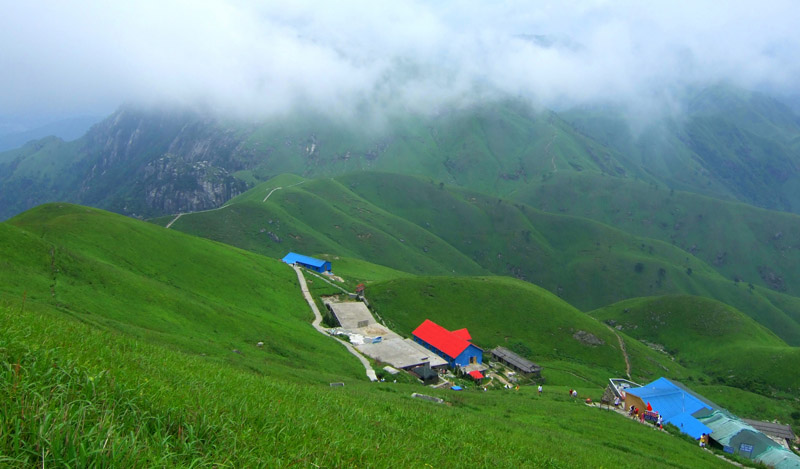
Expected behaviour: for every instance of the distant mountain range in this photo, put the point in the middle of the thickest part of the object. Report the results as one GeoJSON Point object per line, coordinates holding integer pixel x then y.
{"type": "Point", "coordinates": [67, 129]}
{"type": "Point", "coordinates": [728, 143]}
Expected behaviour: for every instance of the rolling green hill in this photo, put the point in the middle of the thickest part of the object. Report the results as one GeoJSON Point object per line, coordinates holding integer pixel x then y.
{"type": "Point", "coordinates": [116, 342]}
{"type": "Point", "coordinates": [725, 142]}
{"type": "Point", "coordinates": [500, 311]}
{"type": "Point", "coordinates": [708, 335]}
{"type": "Point", "coordinates": [423, 227]}
{"type": "Point", "coordinates": [744, 243]}
{"type": "Point", "coordinates": [163, 286]}
{"type": "Point", "coordinates": [326, 219]}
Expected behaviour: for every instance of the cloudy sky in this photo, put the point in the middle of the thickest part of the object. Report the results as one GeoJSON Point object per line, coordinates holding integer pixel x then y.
{"type": "Point", "coordinates": [256, 58]}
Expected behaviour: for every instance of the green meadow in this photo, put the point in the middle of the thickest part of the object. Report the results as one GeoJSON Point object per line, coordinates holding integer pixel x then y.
{"type": "Point", "coordinates": [713, 337]}
{"type": "Point", "coordinates": [427, 228]}
{"type": "Point", "coordinates": [117, 345]}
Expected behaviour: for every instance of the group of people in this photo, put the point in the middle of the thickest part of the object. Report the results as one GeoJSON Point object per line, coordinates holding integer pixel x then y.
{"type": "Point", "coordinates": [635, 413]}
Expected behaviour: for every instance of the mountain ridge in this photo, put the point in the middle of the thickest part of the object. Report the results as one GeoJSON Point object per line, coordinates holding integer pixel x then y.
{"type": "Point", "coordinates": [149, 163]}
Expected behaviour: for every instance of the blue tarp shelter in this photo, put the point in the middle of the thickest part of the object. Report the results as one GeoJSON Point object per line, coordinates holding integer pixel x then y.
{"type": "Point", "coordinates": [317, 265]}
{"type": "Point", "coordinates": [673, 402]}
{"type": "Point", "coordinates": [689, 425]}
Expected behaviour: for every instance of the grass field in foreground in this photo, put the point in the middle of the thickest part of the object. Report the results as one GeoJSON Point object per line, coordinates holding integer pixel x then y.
{"type": "Point", "coordinates": [112, 400]}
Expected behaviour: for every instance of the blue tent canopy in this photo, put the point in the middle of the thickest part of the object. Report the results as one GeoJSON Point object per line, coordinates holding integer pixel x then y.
{"type": "Point", "coordinates": [675, 404]}
{"type": "Point", "coordinates": [689, 425]}
{"type": "Point", "coordinates": [668, 399]}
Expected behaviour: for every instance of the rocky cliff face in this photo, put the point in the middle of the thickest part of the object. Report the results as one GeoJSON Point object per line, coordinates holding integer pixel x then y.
{"type": "Point", "coordinates": [144, 165]}
{"type": "Point", "coordinates": [172, 184]}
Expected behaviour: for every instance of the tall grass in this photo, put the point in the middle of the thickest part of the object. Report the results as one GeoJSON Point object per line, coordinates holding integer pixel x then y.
{"type": "Point", "coordinates": [77, 396]}
{"type": "Point", "coordinates": [56, 412]}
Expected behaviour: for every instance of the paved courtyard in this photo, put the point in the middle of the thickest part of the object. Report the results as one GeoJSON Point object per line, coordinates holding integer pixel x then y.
{"type": "Point", "coordinates": [354, 316]}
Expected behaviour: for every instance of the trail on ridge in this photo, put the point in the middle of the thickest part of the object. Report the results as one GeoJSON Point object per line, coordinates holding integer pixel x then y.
{"type": "Point", "coordinates": [624, 351]}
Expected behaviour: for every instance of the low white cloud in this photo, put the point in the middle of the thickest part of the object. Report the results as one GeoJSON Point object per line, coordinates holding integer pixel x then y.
{"type": "Point", "coordinates": [253, 58]}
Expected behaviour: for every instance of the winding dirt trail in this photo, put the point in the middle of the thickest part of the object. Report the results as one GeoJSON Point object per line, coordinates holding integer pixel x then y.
{"type": "Point", "coordinates": [223, 206]}
{"type": "Point", "coordinates": [624, 351]}
{"type": "Point", "coordinates": [189, 213]}
{"type": "Point", "coordinates": [318, 319]}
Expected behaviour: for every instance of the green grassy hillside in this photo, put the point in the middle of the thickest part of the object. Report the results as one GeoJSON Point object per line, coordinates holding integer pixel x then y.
{"type": "Point", "coordinates": [721, 352]}
{"type": "Point", "coordinates": [115, 350]}
{"type": "Point", "coordinates": [708, 335]}
{"type": "Point", "coordinates": [726, 142]}
{"type": "Point", "coordinates": [517, 315]}
{"type": "Point", "coordinates": [327, 219]}
{"type": "Point", "coordinates": [38, 169]}
{"type": "Point", "coordinates": [587, 263]}
{"type": "Point", "coordinates": [166, 287]}
{"type": "Point", "coordinates": [139, 404]}
{"type": "Point", "coordinates": [425, 227]}
{"type": "Point", "coordinates": [743, 243]}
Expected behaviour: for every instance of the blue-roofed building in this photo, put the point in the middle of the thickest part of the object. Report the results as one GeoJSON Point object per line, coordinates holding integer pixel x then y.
{"type": "Point", "coordinates": [674, 403]}
{"type": "Point", "coordinates": [317, 265]}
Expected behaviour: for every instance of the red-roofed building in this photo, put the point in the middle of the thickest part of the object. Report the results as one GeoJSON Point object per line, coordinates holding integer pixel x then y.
{"type": "Point", "coordinates": [453, 346]}
{"type": "Point", "coordinates": [476, 375]}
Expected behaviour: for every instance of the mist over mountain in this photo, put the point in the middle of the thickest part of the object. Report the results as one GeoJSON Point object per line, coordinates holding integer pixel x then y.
{"type": "Point", "coordinates": [14, 134]}
{"type": "Point", "coordinates": [357, 58]}
{"type": "Point", "coordinates": [729, 143]}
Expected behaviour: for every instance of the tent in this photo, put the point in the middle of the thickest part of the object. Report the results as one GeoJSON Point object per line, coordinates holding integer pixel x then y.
{"type": "Point", "coordinates": [673, 402]}
{"type": "Point", "coordinates": [779, 458]}
{"type": "Point", "coordinates": [737, 437]}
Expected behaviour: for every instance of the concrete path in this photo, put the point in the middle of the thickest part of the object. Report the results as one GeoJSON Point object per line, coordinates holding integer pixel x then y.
{"type": "Point", "coordinates": [273, 190]}
{"type": "Point", "coordinates": [189, 213]}
{"type": "Point", "coordinates": [270, 193]}
{"type": "Point", "coordinates": [174, 220]}
{"type": "Point", "coordinates": [318, 320]}
{"type": "Point", "coordinates": [494, 375]}
{"type": "Point", "coordinates": [224, 205]}
{"type": "Point", "coordinates": [343, 290]}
